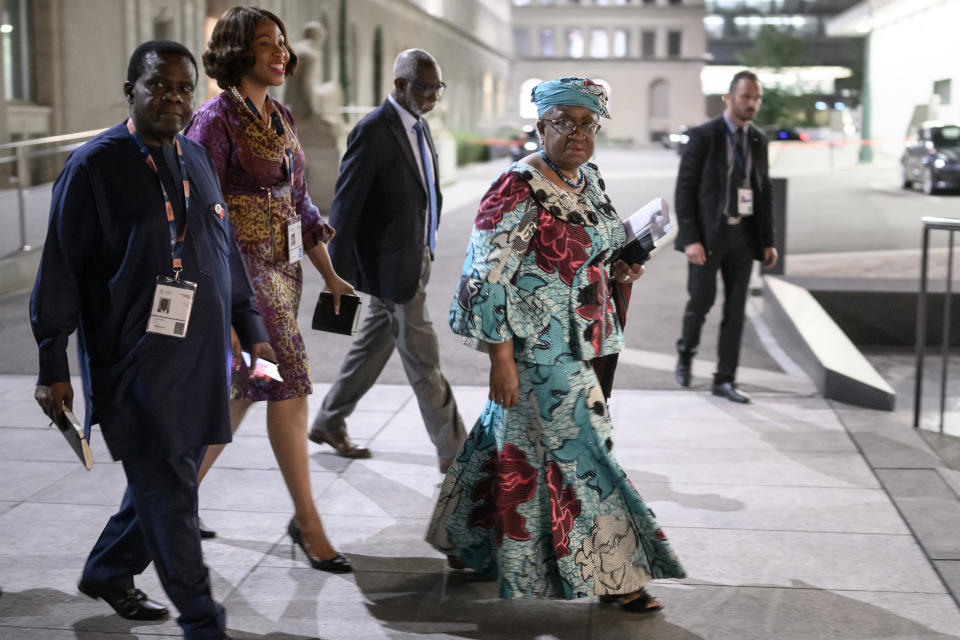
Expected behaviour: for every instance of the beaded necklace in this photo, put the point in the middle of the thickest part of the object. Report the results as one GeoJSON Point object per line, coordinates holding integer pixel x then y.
{"type": "Point", "coordinates": [577, 185]}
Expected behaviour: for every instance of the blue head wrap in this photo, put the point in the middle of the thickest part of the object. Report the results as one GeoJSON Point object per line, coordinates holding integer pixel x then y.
{"type": "Point", "coordinates": [576, 92]}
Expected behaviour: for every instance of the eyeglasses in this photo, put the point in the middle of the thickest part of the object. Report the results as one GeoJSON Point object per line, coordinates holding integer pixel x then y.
{"type": "Point", "coordinates": [429, 89]}
{"type": "Point", "coordinates": [567, 127]}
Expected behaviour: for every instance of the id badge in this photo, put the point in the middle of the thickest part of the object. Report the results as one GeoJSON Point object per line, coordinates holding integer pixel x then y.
{"type": "Point", "coordinates": [745, 201]}
{"type": "Point", "coordinates": [172, 302]}
{"type": "Point", "coordinates": [294, 242]}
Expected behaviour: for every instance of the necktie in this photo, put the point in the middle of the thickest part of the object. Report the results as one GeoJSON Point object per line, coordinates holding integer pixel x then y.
{"type": "Point", "coordinates": [736, 174]}
{"type": "Point", "coordinates": [431, 187]}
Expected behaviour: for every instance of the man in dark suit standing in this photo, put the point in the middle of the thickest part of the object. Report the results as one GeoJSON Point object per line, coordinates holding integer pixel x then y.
{"type": "Point", "coordinates": [386, 209]}
{"type": "Point", "coordinates": [724, 204]}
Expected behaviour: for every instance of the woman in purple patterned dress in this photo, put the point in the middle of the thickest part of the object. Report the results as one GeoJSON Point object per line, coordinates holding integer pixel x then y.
{"type": "Point", "coordinates": [252, 140]}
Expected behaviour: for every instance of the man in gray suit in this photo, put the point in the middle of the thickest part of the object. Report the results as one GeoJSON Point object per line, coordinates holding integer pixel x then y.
{"type": "Point", "coordinates": [386, 209]}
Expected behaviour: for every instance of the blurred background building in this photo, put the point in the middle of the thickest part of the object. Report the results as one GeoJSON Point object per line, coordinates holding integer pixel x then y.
{"type": "Point", "coordinates": [732, 27]}
{"type": "Point", "coordinates": [63, 62]}
{"type": "Point", "coordinates": [649, 54]}
{"type": "Point", "coordinates": [910, 70]}
{"type": "Point", "coordinates": [812, 73]}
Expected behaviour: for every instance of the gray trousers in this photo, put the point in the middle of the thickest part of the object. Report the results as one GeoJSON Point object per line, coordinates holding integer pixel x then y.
{"type": "Point", "coordinates": [408, 328]}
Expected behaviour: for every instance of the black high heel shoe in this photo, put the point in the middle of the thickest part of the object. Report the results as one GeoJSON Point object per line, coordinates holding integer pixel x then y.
{"type": "Point", "coordinates": [336, 564]}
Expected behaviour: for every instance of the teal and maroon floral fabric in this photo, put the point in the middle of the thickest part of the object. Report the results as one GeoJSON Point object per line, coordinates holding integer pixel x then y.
{"type": "Point", "coordinates": [536, 496]}
{"type": "Point", "coordinates": [538, 269]}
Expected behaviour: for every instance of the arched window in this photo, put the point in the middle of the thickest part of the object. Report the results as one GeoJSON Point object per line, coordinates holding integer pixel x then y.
{"type": "Point", "coordinates": [163, 24]}
{"type": "Point", "coordinates": [575, 43]}
{"type": "Point", "coordinates": [501, 98]}
{"type": "Point", "coordinates": [527, 108]}
{"type": "Point", "coordinates": [488, 97]}
{"type": "Point", "coordinates": [659, 99]}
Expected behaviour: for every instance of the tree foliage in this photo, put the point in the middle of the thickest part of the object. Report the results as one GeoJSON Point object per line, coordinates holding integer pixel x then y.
{"type": "Point", "coordinates": [342, 50]}
{"type": "Point", "coordinates": [775, 49]}
{"type": "Point", "coordinates": [377, 63]}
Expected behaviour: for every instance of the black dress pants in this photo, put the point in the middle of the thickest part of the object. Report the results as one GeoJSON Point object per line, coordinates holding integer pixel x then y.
{"type": "Point", "coordinates": [157, 521]}
{"type": "Point", "coordinates": [733, 258]}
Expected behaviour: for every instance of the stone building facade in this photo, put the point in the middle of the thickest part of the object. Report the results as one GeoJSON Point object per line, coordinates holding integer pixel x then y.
{"type": "Point", "coordinates": [649, 54]}
{"type": "Point", "coordinates": [69, 57]}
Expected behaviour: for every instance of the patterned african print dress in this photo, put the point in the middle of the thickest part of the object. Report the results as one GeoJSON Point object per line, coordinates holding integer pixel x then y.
{"type": "Point", "coordinates": [261, 170]}
{"type": "Point", "coordinates": [536, 496]}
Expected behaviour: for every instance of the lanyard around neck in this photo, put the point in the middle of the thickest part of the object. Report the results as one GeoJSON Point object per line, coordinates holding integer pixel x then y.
{"type": "Point", "coordinates": [176, 239]}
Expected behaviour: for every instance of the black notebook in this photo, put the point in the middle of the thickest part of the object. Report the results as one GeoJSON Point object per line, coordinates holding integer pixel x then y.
{"type": "Point", "coordinates": [324, 319]}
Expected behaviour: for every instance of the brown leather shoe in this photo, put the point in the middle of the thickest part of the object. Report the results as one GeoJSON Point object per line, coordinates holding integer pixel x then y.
{"type": "Point", "coordinates": [340, 442]}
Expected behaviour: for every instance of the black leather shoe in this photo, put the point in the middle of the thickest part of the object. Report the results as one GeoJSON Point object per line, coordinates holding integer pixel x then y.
{"type": "Point", "coordinates": [340, 442]}
{"type": "Point", "coordinates": [129, 603]}
{"type": "Point", "coordinates": [729, 391]}
{"type": "Point", "coordinates": [683, 370]}
{"type": "Point", "coordinates": [684, 365]}
{"type": "Point", "coordinates": [205, 532]}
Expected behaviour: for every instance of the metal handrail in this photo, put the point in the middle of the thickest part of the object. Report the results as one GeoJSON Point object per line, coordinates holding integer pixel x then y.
{"type": "Point", "coordinates": [21, 155]}
{"type": "Point", "coordinates": [932, 223]}
{"type": "Point", "coordinates": [66, 137]}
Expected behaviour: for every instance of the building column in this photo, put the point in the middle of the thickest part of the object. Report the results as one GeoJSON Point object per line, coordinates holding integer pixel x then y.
{"type": "Point", "coordinates": [4, 129]}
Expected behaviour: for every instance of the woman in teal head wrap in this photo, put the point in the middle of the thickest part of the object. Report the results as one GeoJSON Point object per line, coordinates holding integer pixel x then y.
{"type": "Point", "coordinates": [536, 496]}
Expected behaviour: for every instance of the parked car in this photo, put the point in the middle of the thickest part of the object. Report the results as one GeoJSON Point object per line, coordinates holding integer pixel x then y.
{"type": "Point", "coordinates": [677, 140]}
{"type": "Point", "coordinates": [526, 143]}
{"type": "Point", "coordinates": [932, 158]}
{"type": "Point", "coordinates": [782, 134]}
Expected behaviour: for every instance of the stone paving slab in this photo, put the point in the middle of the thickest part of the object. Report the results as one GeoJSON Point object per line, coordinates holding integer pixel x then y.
{"type": "Point", "coordinates": [785, 528]}
{"type": "Point", "coordinates": [772, 508]}
{"type": "Point", "coordinates": [930, 506]}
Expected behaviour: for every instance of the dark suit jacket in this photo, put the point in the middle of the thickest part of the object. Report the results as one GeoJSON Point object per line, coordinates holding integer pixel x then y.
{"type": "Point", "coordinates": [701, 188]}
{"type": "Point", "coordinates": [379, 208]}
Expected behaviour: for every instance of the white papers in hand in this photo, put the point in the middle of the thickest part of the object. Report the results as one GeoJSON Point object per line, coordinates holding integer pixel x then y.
{"type": "Point", "coordinates": [263, 368]}
{"type": "Point", "coordinates": [651, 219]}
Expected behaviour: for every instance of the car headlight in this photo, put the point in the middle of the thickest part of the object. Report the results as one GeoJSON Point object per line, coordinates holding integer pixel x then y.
{"type": "Point", "coordinates": [530, 145]}
{"type": "Point", "coordinates": [940, 162]}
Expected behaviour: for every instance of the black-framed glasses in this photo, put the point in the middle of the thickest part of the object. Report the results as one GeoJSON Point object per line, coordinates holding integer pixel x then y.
{"type": "Point", "coordinates": [567, 127]}
{"type": "Point", "coordinates": [429, 89]}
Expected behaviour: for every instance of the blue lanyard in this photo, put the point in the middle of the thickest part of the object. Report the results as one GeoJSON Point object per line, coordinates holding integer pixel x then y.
{"type": "Point", "coordinates": [738, 156]}
{"type": "Point", "coordinates": [176, 240]}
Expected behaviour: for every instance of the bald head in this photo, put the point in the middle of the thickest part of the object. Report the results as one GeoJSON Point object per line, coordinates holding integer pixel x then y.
{"type": "Point", "coordinates": [409, 63]}
{"type": "Point", "coordinates": [417, 82]}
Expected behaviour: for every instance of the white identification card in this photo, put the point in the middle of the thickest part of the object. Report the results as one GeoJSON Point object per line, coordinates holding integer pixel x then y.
{"type": "Point", "coordinates": [172, 302]}
{"type": "Point", "coordinates": [745, 201]}
{"type": "Point", "coordinates": [294, 242]}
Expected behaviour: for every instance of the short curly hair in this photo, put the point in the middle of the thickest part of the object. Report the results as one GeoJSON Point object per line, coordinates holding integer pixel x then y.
{"type": "Point", "coordinates": [229, 54]}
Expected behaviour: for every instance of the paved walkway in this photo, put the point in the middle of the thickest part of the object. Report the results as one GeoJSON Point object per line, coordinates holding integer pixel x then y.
{"type": "Point", "coordinates": [795, 517]}
{"type": "Point", "coordinates": [775, 509]}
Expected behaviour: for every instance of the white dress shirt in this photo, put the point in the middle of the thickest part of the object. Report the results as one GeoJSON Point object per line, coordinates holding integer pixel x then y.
{"type": "Point", "coordinates": [408, 120]}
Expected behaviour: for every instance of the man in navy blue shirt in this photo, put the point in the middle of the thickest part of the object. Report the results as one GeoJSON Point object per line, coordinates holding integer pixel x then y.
{"type": "Point", "coordinates": [140, 261]}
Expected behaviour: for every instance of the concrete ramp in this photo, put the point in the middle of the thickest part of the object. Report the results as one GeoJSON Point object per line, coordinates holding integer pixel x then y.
{"type": "Point", "coordinates": [824, 351]}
